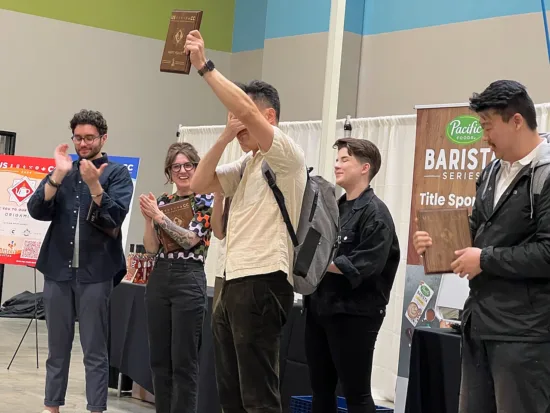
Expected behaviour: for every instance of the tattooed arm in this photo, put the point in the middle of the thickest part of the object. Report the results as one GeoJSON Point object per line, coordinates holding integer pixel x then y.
{"type": "Point", "coordinates": [185, 238]}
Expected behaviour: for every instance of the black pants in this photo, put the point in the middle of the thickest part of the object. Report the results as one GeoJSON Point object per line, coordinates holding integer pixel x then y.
{"type": "Point", "coordinates": [341, 347]}
{"type": "Point", "coordinates": [247, 324]}
{"type": "Point", "coordinates": [504, 377]}
{"type": "Point", "coordinates": [176, 305]}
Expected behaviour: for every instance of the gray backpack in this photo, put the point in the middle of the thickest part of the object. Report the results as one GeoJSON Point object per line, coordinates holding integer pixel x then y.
{"type": "Point", "coordinates": [315, 240]}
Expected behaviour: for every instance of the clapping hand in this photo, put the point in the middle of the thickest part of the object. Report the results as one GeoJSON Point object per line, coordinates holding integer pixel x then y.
{"type": "Point", "coordinates": [90, 174]}
{"type": "Point", "coordinates": [63, 162]}
{"type": "Point", "coordinates": [148, 206]}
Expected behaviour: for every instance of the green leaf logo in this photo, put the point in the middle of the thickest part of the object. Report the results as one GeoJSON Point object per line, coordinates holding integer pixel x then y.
{"type": "Point", "coordinates": [425, 290]}
{"type": "Point", "coordinates": [464, 130]}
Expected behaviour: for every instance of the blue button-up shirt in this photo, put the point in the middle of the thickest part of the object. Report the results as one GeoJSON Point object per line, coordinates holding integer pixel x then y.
{"type": "Point", "coordinates": [100, 256]}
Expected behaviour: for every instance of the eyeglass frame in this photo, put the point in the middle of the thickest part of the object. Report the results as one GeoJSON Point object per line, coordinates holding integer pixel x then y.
{"type": "Point", "coordinates": [83, 138]}
{"type": "Point", "coordinates": [182, 165]}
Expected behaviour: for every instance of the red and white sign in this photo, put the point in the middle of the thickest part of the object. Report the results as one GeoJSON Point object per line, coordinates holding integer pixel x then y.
{"type": "Point", "coordinates": [21, 236]}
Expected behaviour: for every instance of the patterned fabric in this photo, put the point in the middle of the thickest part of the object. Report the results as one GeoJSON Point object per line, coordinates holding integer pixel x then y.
{"type": "Point", "coordinates": [200, 225]}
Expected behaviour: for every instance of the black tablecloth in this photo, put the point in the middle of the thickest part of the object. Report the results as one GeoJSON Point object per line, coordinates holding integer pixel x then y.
{"type": "Point", "coordinates": [434, 374]}
{"type": "Point", "coordinates": [130, 348]}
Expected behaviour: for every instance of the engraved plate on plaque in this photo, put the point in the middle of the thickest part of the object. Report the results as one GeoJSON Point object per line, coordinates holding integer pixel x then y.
{"type": "Point", "coordinates": [450, 231]}
{"type": "Point", "coordinates": [174, 59]}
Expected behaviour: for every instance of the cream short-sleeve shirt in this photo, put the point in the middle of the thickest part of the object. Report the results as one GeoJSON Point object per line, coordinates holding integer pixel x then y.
{"type": "Point", "coordinates": [257, 240]}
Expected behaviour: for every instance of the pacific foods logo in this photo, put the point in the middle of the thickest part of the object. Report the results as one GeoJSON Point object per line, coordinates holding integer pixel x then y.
{"type": "Point", "coordinates": [464, 130]}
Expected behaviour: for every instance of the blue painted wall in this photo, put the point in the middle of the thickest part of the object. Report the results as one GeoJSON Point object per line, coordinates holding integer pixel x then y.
{"type": "Point", "coordinates": [383, 16]}
{"type": "Point", "coordinates": [256, 20]}
{"type": "Point", "coordinates": [249, 25]}
{"type": "Point", "coordinates": [296, 17]}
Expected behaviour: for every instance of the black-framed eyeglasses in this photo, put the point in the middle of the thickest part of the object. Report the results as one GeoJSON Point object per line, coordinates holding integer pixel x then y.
{"type": "Point", "coordinates": [188, 166]}
{"type": "Point", "coordinates": [86, 138]}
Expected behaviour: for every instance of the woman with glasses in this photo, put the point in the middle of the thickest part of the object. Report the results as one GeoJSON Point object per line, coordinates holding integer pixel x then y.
{"type": "Point", "coordinates": [176, 297]}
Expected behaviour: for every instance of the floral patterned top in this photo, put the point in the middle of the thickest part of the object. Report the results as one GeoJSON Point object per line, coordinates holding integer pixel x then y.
{"type": "Point", "coordinates": [200, 225]}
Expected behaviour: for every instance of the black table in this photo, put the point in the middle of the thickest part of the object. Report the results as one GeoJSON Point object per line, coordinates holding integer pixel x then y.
{"type": "Point", "coordinates": [130, 348]}
{"type": "Point", "coordinates": [434, 373]}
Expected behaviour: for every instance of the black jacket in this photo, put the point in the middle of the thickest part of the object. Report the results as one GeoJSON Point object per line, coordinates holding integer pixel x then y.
{"type": "Point", "coordinates": [100, 257]}
{"type": "Point", "coordinates": [368, 257]}
{"type": "Point", "coordinates": [510, 299]}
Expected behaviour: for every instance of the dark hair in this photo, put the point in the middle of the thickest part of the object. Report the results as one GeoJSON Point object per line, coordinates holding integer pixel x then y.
{"type": "Point", "coordinates": [174, 150]}
{"type": "Point", "coordinates": [89, 117]}
{"type": "Point", "coordinates": [364, 150]}
{"type": "Point", "coordinates": [263, 93]}
{"type": "Point", "coordinates": [506, 97]}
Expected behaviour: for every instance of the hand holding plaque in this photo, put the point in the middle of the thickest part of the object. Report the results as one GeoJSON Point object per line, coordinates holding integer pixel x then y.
{"type": "Point", "coordinates": [442, 232]}
{"type": "Point", "coordinates": [175, 58]}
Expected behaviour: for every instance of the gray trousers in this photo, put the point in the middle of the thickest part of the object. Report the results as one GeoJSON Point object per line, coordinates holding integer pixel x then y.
{"type": "Point", "coordinates": [63, 301]}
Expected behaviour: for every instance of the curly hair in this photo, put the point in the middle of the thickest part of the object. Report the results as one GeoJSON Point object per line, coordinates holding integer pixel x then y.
{"type": "Point", "coordinates": [89, 117]}
{"type": "Point", "coordinates": [174, 150]}
{"type": "Point", "coordinates": [506, 97]}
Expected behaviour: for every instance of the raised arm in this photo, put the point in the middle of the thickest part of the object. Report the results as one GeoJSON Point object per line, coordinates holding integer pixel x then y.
{"type": "Point", "coordinates": [206, 178]}
{"type": "Point", "coordinates": [232, 96]}
{"type": "Point", "coordinates": [217, 216]}
{"type": "Point", "coordinates": [41, 205]}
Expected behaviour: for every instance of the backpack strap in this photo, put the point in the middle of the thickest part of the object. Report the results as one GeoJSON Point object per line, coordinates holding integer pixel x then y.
{"type": "Point", "coordinates": [539, 178]}
{"type": "Point", "coordinates": [243, 167]}
{"type": "Point", "coordinates": [269, 176]}
{"type": "Point", "coordinates": [225, 214]}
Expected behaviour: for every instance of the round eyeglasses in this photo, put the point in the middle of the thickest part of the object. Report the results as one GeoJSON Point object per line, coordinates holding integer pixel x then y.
{"type": "Point", "coordinates": [188, 166]}
{"type": "Point", "coordinates": [87, 138]}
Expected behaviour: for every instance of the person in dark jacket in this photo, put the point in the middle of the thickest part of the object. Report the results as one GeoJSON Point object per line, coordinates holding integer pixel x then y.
{"type": "Point", "coordinates": [345, 313]}
{"type": "Point", "coordinates": [506, 318]}
{"type": "Point", "coordinates": [79, 259]}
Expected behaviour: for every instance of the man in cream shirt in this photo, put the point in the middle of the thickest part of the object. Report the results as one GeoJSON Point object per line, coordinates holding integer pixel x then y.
{"type": "Point", "coordinates": [257, 294]}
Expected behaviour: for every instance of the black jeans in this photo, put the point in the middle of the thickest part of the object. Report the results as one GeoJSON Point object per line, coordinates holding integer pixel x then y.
{"type": "Point", "coordinates": [176, 305]}
{"type": "Point", "coordinates": [341, 347]}
{"type": "Point", "coordinates": [504, 377]}
{"type": "Point", "coordinates": [247, 324]}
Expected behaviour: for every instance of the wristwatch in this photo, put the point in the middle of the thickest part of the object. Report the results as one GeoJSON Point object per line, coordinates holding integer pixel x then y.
{"type": "Point", "coordinates": [208, 67]}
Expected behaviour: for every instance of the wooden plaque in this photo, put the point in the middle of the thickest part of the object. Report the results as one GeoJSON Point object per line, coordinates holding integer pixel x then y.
{"type": "Point", "coordinates": [180, 213]}
{"type": "Point", "coordinates": [174, 59]}
{"type": "Point", "coordinates": [450, 231]}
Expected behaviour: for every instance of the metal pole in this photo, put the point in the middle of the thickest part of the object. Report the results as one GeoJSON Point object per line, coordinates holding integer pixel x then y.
{"type": "Point", "coordinates": [332, 86]}
{"type": "Point", "coordinates": [545, 20]}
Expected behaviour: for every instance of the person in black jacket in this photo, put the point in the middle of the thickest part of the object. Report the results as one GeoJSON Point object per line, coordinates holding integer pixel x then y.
{"type": "Point", "coordinates": [346, 311]}
{"type": "Point", "coordinates": [506, 318]}
{"type": "Point", "coordinates": [79, 259]}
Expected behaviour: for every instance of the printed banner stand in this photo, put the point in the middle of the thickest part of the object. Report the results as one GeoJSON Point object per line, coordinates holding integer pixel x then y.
{"type": "Point", "coordinates": [449, 156]}
{"type": "Point", "coordinates": [20, 235]}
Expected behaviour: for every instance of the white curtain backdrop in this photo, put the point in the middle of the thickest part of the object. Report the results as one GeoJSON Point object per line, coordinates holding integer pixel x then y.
{"type": "Point", "coordinates": [395, 138]}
